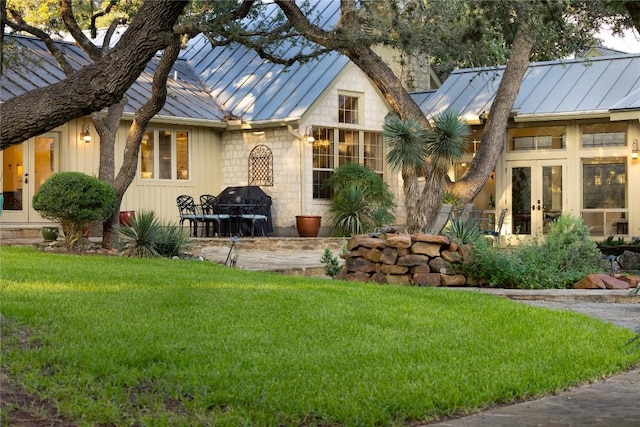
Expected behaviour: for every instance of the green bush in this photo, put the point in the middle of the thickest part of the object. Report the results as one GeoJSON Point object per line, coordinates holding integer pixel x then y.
{"type": "Point", "coordinates": [563, 257]}
{"type": "Point", "coordinates": [331, 264]}
{"type": "Point", "coordinates": [362, 201]}
{"type": "Point", "coordinates": [146, 237]}
{"type": "Point", "coordinates": [74, 199]}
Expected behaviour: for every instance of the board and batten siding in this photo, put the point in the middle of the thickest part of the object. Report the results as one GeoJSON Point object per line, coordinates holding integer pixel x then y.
{"type": "Point", "coordinates": [160, 195]}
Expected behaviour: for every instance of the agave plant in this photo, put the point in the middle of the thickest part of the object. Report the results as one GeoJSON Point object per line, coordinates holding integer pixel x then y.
{"type": "Point", "coordinates": [141, 238]}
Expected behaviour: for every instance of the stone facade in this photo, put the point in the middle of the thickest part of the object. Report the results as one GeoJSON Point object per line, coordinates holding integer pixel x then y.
{"type": "Point", "coordinates": [418, 260]}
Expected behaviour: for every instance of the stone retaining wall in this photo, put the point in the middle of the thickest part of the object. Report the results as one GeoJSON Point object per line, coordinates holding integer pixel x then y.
{"type": "Point", "coordinates": [419, 259]}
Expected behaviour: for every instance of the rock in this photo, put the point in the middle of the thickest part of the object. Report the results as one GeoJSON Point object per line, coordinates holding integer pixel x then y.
{"type": "Point", "coordinates": [358, 276]}
{"type": "Point", "coordinates": [399, 241]}
{"type": "Point", "coordinates": [393, 269]}
{"type": "Point", "coordinates": [360, 264]}
{"type": "Point", "coordinates": [428, 238]}
{"type": "Point", "coordinates": [394, 279]}
{"type": "Point", "coordinates": [389, 256]}
{"type": "Point", "coordinates": [374, 255]}
{"type": "Point", "coordinates": [441, 266]}
{"type": "Point", "coordinates": [413, 259]}
{"type": "Point", "coordinates": [631, 280]}
{"type": "Point", "coordinates": [423, 248]}
{"type": "Point", "coordinates": [453, 279]}
{"type": "Point", "coordinates": [592, 281]}
{"type": "Point", "coordinates": [629, 260]}
{"type": "Point", "coordinates": [364, 240]}
{"type": "Point", "coordinates": [379, 278]}
{"type": "Point", "coordinates": [600, 281]}
{"type": "Point", "coordinates": [451, 256]}
{"type": "Point", "coordinates": [613, 283]}
{"type": "Point", "coordinates": [421, 269]}
{"type": "Point", "coordinates": [427, 279]}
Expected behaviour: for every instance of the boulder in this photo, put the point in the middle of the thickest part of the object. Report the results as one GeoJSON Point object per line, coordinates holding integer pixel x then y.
{"type": "Point", "coordinates": [428, 238]}
{"type": "Point", "coordinates": [399, 241]}
{"type": "Point", "coordinates": [423, 248]}
{"type": "Point", "coordinates": [427, 279]}
{"type": "Point", "coordinates": [453, 280]}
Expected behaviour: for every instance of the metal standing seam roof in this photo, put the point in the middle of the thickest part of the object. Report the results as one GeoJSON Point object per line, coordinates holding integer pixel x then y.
{"type": "Point", "coordinates": [211, 81]}
{"type": "Point", "coordinates": [595, 85]}
{"type": "Point", "coordinates": [247, 86]}
{"type": "Point", "coordinates": [186, 97]}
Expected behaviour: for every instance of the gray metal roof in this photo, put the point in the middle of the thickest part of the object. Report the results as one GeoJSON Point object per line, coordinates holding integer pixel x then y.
{"type": "Point", "coordinates": [593, 86]}
{"type": "Point", "coordinates": [211, 81]}
{"type": "Point", "coordinates": [186, 97]}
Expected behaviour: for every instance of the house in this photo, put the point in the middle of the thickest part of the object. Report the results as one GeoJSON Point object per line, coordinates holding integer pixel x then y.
{"type": "Point", "coordinates": [230, 119]}
{"type": "Point", "coordinates": [572, 142]}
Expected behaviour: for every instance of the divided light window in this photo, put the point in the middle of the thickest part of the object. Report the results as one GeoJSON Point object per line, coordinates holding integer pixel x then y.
{"type": "Point", "coordinates": [164, 155]}
{"type": "Point", "coordinates": [347, 109]}
{"type": "Point", "coordinates": [537, 138]}
{"type": "Point", "coordinates": [604, 135]}
{"type": "Point", "coordinates": [340, 146]}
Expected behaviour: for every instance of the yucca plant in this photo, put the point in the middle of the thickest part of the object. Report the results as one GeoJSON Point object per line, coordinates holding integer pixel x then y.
{"type": "Point", "coordinates": [141, 238]}
{"type": "Point", "coordinates": [462, 232]}
{"type": "Point", "coordinates": [172, 241]}
{"type": "Point", "coordinates": [350, 211]}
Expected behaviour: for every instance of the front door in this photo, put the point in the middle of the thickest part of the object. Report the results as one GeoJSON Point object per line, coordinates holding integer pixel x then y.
{"type": "Point", "coordinates": [537, 195]}
{"type": "Point", "coordinates": [24, 168]}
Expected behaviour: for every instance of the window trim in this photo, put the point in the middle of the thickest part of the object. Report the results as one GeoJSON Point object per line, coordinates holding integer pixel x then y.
{"type": "Point", "coordinates": [174, 156]}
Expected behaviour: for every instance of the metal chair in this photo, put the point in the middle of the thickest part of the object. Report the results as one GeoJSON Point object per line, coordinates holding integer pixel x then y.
{"type": "Point", "coordinates": [441, 220]}
{"type": "Point", "coordinates": [189, 212]}
{"type": "Point", "coordinates": [496, 231]}
{"type": "Point", "coordinates": [211, 213]}
{"type": "Point", "coordinates": [257, 213]}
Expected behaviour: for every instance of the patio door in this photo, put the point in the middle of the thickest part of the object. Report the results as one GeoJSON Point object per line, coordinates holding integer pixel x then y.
{"type": "Point", "coordinates": [24, 168]}
{"type": "Point", "coordinates": [537, 194]}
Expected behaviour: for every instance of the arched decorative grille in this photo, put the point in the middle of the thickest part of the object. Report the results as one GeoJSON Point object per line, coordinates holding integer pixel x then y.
{"type": "Point", "coordinates": [261, 166]}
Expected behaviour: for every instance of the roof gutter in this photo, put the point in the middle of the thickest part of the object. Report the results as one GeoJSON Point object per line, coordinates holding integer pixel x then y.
{"type": "Point", "coordinates": [569, 115]}
{"type": "Point", "coordinates": [219, 124]}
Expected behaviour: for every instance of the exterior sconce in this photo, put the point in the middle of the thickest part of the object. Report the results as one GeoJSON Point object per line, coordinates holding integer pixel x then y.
{"type": "Point", "coordinates": [308, 135]}
{"type": "Point", "coordinates": [85, 134]}
{"type": "Point", "coordinates": [634, 149]}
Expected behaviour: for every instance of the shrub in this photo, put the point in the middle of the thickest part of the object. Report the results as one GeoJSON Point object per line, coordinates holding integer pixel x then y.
{"type": "Point", "coordinates": [462, 232]}
{"type": "Point", "coordinates": [74, 199]}
{"type": "Point", "coordinates": [146, 237]}
{"type": "Point", "coordinates": [361, 200]}
{"type": "Point", "coordinates": [565, 256]}
{"type": "Point", "coordinates": [331, 264]}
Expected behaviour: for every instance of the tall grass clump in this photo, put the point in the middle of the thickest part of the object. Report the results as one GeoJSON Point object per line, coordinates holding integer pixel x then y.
{"type": "Point", "coordinates": [564, 256]}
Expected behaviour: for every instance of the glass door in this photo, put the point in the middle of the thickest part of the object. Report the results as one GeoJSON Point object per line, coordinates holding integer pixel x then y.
{"type": "Point", "coordinates": [537, 192]}
{"type": "Point", "coordinates": [25, 167]}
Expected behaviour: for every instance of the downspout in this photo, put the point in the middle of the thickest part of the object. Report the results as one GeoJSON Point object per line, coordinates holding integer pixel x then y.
{"type": "Point", "coordinates": [303, 194]}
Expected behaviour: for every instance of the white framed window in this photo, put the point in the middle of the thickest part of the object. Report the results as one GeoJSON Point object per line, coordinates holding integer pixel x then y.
{"type": "Point", "coordinates": [165, 155]}
{"type": "Point", "coordinates": [604, 135]}
{"type": "Point", "coordinates": [348, 109]}
{"type": "Point", "coordinates": [537, 138]}
{"type": "Point", "coordinates": [605, 195]}
{"type": "Point", "coordinates": [335, 146]}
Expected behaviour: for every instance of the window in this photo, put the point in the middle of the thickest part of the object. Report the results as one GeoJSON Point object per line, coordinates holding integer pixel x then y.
{"type": "Point", "coordinates": [347, 109]}
{"type": "Point", "coordinates": [604, 135]}
{"type": "Point", "coordinates": [340, 146]}
{"type": "Point", "coordinates": [537, 138]}
{"type": "Point", "coordinates": [604, 195]}
{"type": "Point", "coordinates": [164, 155]}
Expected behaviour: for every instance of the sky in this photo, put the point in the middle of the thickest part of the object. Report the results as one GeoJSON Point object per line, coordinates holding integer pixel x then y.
{"type": "Point", "coordinates": [630, 43]}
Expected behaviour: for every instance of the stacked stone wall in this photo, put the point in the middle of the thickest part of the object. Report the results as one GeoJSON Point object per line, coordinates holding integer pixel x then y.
{"type": "Point", "coordinates": [419, 259]}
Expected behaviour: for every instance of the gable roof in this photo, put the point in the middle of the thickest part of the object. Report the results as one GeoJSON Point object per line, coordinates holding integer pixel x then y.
{"type": "Point", "coordinates": [569, 88]}
{"type": "Point", "coordinates": [208, 83]}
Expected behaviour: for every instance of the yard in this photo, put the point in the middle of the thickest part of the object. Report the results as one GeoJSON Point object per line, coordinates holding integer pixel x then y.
{"type": "Point", "coordinates": [121, 341]}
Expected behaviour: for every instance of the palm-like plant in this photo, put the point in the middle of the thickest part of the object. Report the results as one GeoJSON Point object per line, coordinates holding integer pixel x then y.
{"type": "Point", "coordinates": [416, 151]}
{"type": "Point", "coordinates": [141, 237]}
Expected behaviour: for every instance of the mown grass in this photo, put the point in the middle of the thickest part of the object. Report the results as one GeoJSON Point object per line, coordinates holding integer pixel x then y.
{"type": "Point", "coordinates": [168, 342]}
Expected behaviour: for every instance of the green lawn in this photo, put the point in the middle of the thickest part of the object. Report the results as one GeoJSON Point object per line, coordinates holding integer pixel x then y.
{"type": "Point", "coordinates": [171, 342]}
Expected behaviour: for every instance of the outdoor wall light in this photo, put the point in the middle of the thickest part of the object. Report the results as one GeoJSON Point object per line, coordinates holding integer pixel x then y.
{"type": "Point", "coordinates": [634, 149]}
{"type": "Point", "coordinates": [308, 135]}
{"type": "Point", "coordinates": [85, 134]}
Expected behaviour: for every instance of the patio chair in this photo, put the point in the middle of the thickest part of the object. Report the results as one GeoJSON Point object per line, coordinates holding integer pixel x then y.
{"type": "Point", "coordinates": [441, 220]}
{"type": "Point", "coordinates": [189, 212]}
{"type": "Point", "coordinates": [496, 231]}
{"type": "Point", "coordinates": [465, 213]}
{"type": "Point", "coordinates": [257, 213]}
{"type": "Point", "coordinates": [211, 213]}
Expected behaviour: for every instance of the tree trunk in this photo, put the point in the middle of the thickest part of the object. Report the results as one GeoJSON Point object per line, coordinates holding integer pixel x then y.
{"type": "Point", "coordinates": [95, 86]}
{"type": "Point", "coordinates": [494, 135]}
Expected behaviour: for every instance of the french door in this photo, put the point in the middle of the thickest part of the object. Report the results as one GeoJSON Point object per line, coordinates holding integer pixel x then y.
{"type": "Point", "coordinates": [536, 194]}
{"type": "Point", "coordinates": [24, 168]}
